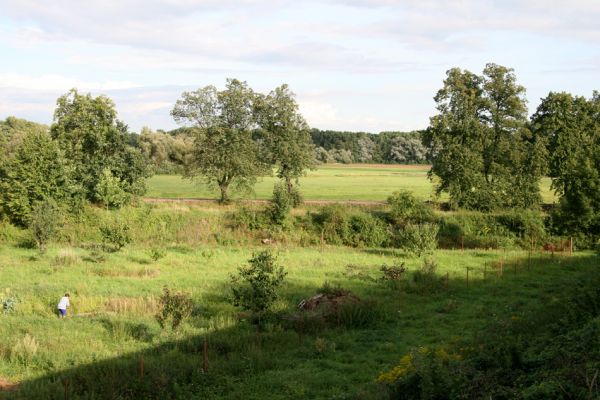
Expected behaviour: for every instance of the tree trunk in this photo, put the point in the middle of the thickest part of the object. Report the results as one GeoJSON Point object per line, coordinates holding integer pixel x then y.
{"type": "Point", "coordinates": [289, 185]}
{"type": "Point", "coordinates": [224, 186]}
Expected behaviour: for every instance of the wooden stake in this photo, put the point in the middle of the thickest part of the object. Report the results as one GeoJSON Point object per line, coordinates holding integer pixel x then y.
{"type": "Point", "coordinates": [571, 246]}
{"type": "Point", "coordinates": [205, 357]}
{"type": "Point", "coordinates": [447, 279]}
{"type": "Point", "coordinates": [141, 367]}
{"type": "Point", "coordinates": [65, 382]}
{"type": "Point", "coordinates": [484, 271]}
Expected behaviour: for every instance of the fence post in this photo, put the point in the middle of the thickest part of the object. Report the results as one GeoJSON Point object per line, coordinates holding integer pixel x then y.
{"type": "Point", "coordinates": [205, 357]}
{"type": "Point", "coordinates": [571, 246]}
{"type": "Point", "coordinates": [65, 382]}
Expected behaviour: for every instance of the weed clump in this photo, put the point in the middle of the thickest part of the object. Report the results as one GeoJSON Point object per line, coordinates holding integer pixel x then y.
{"type": "Point", "coordinates": [174, 306]}
{"type": "Point", "coordinates": [115, 235]}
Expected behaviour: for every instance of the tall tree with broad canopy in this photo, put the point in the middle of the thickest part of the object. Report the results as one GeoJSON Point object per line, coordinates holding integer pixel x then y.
{"type": "Point", "coordinates": [570, 128]}
{"type": "Point", "coordinates": [227, 149]}
{"type": "Point", "coordinates": [286, 134]}
{"type": "Point", "coordinates": [35, 171]}
{"type": "Point", "coordinates": [94, 140]}
{"type": "Point", "coordinates": [481, 148]}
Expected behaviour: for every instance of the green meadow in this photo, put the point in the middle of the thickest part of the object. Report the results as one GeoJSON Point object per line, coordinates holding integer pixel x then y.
{"type": "Point", "coordinates": [110, 345]}
{"type": "Point", "coordinates": [329, 182]}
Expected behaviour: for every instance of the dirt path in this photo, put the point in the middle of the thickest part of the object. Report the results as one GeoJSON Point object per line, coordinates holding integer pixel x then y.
{"type": "Point", "coordinates": [260, 201]}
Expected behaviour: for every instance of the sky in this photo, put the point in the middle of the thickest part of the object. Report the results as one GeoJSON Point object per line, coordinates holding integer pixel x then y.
{"type": "Point", "coordinates": [356, 65]}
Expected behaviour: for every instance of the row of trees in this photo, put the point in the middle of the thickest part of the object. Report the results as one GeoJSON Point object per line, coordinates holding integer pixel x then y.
{"type": "Point", "coordinates": [488, 155]}
{"type": "Point", "coordinates": [362, 147]}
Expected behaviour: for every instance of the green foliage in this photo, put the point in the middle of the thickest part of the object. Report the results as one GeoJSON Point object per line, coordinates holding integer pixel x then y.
{"type": "Point", "coordinates": [115, 235]}
{"type": "Point", "coordinates": [569, 126]}
{"type": "Point", "coordinates": [286, 134]}
{"type": "Point", "coordinates": [355, 228]}
{"type": "Point", "coordinates": [173, 306]}
{"type": "Point", "coordinates": [156, 253]}
{"type": "Point", "coordinates": [110, 191]}
{"type": "Point", "coordinates": [255, 286]}
{"type": "Point", "coordinates": [418, 239]}
{"type": "Point", "coordinates": [93, 140]}
{"type": "Point", "coordinates": [426, 279]}
{"type": "Point", "coordinates": [482, 151]}
{"type": "Point", "coordinates": [46, 218]}
{"type": "Point", "coordinates": [393, 272]}
{"type": "Point", "coordinates": [225, 150]}
{"type": "Point", "coordinates": [281, 205]}
{"type": "Point", "coordinates": [250, 218]}
{"type": "Point", "coordinates": [9, 304]}
{"type": "Point", "coordinates": [36, 171]}
{"type": "Point", "coordinates": [405, 208]}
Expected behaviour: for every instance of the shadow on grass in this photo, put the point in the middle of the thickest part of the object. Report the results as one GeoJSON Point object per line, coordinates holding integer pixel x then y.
{"type": "Point", "coordinates": [243, 360]}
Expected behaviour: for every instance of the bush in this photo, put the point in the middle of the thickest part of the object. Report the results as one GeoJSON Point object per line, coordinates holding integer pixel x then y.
{"type": "Point", "coordinates": [404, 208]}
{"type": "Point", "coordinates": [45, 221]}
{"type": "Point", "coordinates": [255, 286]}
{"type": "Point", "coordinates": [157, 253]}
{"type": "Point", "coordinates": [115, 235]}
{"type": "Point", "coordinates": [174, 306]}
{"type": "Point", "coordinates": [426, 279]}
{"type": "Point", "coordinates": [110, 190]}
{"type": "Point", "coordinates": [247, 218]}
{"type": "Point", "coordinates": [281, 205]}
{"type": "Point", "coordinates": [418, 239]}
{"type": "Point", "coordinates": [356, 228]}
{"type": "Point", "coordinates": [393, 272]}
{"type": "Point", "coordinates": [8, 304]}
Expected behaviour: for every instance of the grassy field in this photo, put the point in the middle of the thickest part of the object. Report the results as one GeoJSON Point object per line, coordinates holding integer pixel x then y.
{"type": "Point", "coordinates": [111, 327]}
{"type": "Point", "coordinates": [328, 182]}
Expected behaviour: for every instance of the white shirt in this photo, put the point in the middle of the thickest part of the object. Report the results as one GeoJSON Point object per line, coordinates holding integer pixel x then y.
{"type": "Point", "coordinates": [63, 303]}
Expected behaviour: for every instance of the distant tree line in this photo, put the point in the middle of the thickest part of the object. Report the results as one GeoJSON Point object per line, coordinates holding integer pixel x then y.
{"type": "Point", "coordinates": [363, 147]}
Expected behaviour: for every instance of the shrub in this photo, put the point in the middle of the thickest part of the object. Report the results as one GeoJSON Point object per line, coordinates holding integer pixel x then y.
{"type": "Point", "coordinates": [407, 209]}
{"type": "Point", "coordinates": [157, 253]}
{"type": "Point", "coordinates": [418, 239]}
{"type": "Point", "coordinates": [357, 228]}
{"type": "Point", "coordinates": [110, 190]}
{"type": "Point", "coordinates": [393, 272]}
{"type": "Point", "coordinates": [247, 218]}
{"type": "Point", "coordinates": [426, 279]}
{"type": "Point", "coordinates": [115, 235]}
{"type": "Point", "coordinates": [45, 221]}
{"type": "Point", "coordinates": [367, 230]}
{"type": "Point", "coordinates": [281, 205]}
{"type": "Point", "coordinates": [9, 304]}
{"type": "Point", "coordinates": [174, 306]}
{"type": "Point", "coordinates": [255, 286]}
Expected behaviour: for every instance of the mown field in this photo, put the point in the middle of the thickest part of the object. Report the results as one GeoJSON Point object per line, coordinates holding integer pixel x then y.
{"type": "Point", "coordinates": [328, 182]}
{"type": "Point", "coordinates": [97, 352]}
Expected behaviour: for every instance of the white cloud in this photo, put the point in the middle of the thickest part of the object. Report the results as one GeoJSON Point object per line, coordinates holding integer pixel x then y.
{"type": "Point", "coordinates": [53, 82]}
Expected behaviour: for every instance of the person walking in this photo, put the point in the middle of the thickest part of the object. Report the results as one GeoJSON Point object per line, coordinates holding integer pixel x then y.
{"type": "Point", "coordinates": [62, 306]}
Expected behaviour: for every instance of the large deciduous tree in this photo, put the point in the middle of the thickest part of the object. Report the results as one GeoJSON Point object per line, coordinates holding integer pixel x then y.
{"type": "Point", "coordinates": [34, 172]}
{"type": "Point", "coordinates": [570, 127]}
{"type": "Point", "coordinates": [481, 148]}
{"type": "Point", "coordinates": [94, 141]}
{"type": "Point", "coordinates": [227, 150]}
{"type": "Point", "coordinates": [286, 134]}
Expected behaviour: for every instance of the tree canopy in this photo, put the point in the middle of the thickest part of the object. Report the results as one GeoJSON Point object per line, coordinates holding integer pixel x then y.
{"type": "Point", "coordinates": [570, 128]}
{"type": "Point", "coordinates": [94, 140]}
{"type": "Point", "coordinates": [480, 145]}
{"type": "Point", "coordinates": [226, 149]}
